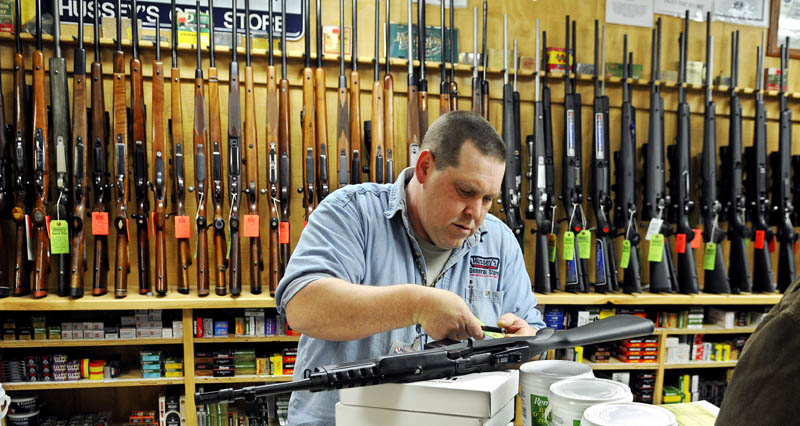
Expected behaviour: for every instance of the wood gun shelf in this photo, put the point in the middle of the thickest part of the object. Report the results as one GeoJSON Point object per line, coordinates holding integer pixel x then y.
{"type": "Point", "coordinates": [130, 379]}
{"type": "Point", "coordinates": [247, 378]}
{"type": "Point", "coordinates": [10, 344]}
{"type": "Point", "coordinates": [700, 364]}
{"type": "Point", "coordinates": [172, 300]}
{"type": "Point", "coordinates": [234, 339]}
{"type": "Point", "coordinates": [707, 329]}
{"type": "Point", "coordinates": [564, 298]}
{"type": "Point", "coordinates": [615, 364]}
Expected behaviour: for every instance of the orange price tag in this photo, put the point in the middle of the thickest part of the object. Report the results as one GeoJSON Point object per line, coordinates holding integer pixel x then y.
{"type": "Point", "coordinates": [680, 243]}
{"type": "Point", "coordinates": [772, 245]}
{"type": "Point", "coordinates": [182, 227]}
{"type": "Point", "coordinates": [47, 219]}
{"type": "Point", "coordinates": [283, 233]}
{"type": "Point", "coordinates": [759, 243]}
{"type": "Point", "coordinates": [697, 241]}
{"type": "Point", "coordinates": [99, 223]}
{"type": "Point", "coordinates": [251, 226]}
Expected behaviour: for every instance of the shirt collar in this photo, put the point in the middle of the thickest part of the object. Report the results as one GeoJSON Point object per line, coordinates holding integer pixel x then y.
{"type": "Point", "coordinates": [398, 203]}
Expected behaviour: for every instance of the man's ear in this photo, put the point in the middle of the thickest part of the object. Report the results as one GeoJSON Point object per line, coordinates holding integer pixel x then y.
{"type": "Point", "coordinates": [425, 165]}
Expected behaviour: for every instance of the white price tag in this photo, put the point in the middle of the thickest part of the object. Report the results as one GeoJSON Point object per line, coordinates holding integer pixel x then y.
{"type": "Point", "coordinates": [654, 228]}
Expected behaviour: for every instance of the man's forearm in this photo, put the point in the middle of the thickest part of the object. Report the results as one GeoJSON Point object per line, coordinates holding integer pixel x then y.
{"type": "Point", "coordinates": [335, 309]}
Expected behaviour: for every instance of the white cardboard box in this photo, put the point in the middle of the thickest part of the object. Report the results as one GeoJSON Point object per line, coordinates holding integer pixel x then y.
{"type": "Point", "coordinates": [479, 395]}
{"type": "Point", "coordinates": [351, 415]}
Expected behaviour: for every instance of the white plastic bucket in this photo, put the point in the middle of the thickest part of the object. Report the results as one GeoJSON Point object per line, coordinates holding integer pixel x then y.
{"type": "Point", "coordinates": [25, 419]}
{"type": "Point", "coordinates": [571, 397]}
{"type": "Point", "coordinates": [536, 377]}
{"type": "Point", "coordinates": [627, 414]}
{"type": "Point", "coordinates": [5, 402]}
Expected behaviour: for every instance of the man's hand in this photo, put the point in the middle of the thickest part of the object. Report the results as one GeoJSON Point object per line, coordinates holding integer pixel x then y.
{"type": "Point", "coordinates": [515, 326]}
{"type": "Point", "coordinates": [443, 314]}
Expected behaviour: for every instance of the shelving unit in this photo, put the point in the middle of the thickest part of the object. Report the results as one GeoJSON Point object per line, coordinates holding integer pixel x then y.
{"type": "Point", "coordinates": [129, 379]}
{"type": "Point", "coordinates": [247, 378]}
{"type": "Point", "coordinates": [10, 344]}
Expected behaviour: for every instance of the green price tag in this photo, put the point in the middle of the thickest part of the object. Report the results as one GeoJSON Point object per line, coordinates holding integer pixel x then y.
{"type": "Point", "coordinates": [59, 237]}
{"type": "Point", "coordinates": [709, 260]}
{"type": "Point", "coordinates": [626, 254]}
{"type": "Point", "coordinates": [656, 253]}
{"type": "Point", "coordinates": [552, 246]}
{"type": "Point", "coordinates": [585, 244]}
{"type": "Point", "coordinates": [569, 246]}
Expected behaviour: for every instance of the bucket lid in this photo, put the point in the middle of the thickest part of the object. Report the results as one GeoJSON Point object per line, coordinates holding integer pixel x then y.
{"type": "Point", "coordinates": [588, 390]}
{"type": "Point", "coordinates": [20, 398]}
{"type": "Point", "coordinates": [627, 414]}
{"type": "Point", "coordinates": [20, 416]}
{"type": "Point", "coordinates": [556, 368]}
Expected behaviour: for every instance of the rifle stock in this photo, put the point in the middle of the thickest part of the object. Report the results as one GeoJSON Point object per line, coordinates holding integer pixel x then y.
{"type": "Point", "coordinates": [234, 165]}
{"type": "Point", "coordinates": [177, 145]}
{"type": "Point", "coordinates": [215, 139]}
{"type": "Point", "coordinates": [309, 119]}
{"type": "Point", "coordinates": [159, 163]}
{"type": "Point", "coordinates": [40, 166]}
{"type": "Point", "coordinates": [23, 167]}
{"type": "Point", "coordinates": [121, 175]}
{"type": "Point", "coordinates": [80, 158]}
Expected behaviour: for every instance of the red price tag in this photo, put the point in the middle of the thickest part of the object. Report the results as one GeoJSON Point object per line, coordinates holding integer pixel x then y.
{"type": "Point", "coordinates": [697, 241]}
{"type": "Point", "coordinates": [283, 233]}
{"type": "Point", "coordinates": [759, 243]}
{"type": "Point", "coordinates": [182, 227]}
{"type": "Point", "coordinates": [251, 227]}
{"type": "Point", "coordinates": [47, 220]}
{"type": "Point", "coordinates": [680, 243]}
{"type": "Point", "coordinates": [772, 245]}
{"type": "Point", "coordinates": [99, 223]}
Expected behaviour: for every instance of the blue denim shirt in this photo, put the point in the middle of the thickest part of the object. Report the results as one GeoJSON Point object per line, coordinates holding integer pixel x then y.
{"type": "Point", "coordinates": [361, 234]}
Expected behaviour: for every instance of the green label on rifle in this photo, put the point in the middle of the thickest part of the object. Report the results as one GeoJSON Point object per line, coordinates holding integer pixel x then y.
{"type": "Point", "coordinates": [585, 244]}
{"type": "Point", "coordinates": [59, 237]}
{"type": "Point", "coordinates": [709, 261]}
{"type": "Point", "coordinates": [569, 246]}
{"type": "Point", "coordinates": [626, 254]}
{"type": "Point", "coordinates": [656, 253]}
{"type": "Point", "coordinates": [552, 245]}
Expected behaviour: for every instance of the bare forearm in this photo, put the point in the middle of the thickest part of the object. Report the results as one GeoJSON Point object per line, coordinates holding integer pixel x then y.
{"type": "Point", "coordinates": [334, 309]}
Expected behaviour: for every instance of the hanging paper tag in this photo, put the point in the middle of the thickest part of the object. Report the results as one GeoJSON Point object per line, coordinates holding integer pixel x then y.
{"type": "Point", "coordinates": [568, 252]}
{"type": "Point", "coordinates": [709, 261]}
{"type": "Point", "coordinates": [552, 245]}
{"type": "Point", "coordinates": [59, 237]}
{"type": "Point", "coordinates": [251, 227]}
{"type": "Point", "coordinates": [585, 244]}
{"type": "Point", "coordinates": [654, 228]}
{"type": "Point", "coordinates": [99, 223]}
{"type": "Point", "coordinates": [625, 259]}
{"type": "Point", "coordinates": [759, 244]}
{"type": "Point", "coordinates": [656, 253]}
{"type": "Point", "coordinates": [182, 227]}
{"type": "Point", "coordinates": [697, 241]}
{"type": "Point", "coordinates": [283, 233]}
{"type": "Point", "coordinates": [680, 243]}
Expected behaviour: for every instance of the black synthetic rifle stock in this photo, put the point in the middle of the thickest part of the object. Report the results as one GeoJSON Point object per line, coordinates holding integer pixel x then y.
{"type": "Point", "coordinates": [342, 113]}
{"type": "Point", "coordinates": [757, 189]}
{"type": "Point", "coordinates": [284, 154]}
{"type": "Point", "coordinates": [321, 116]}
{"type": "Point", "coordinates": [732, 194]}
{"type": "Point", "coordinates": [472, 356]}
{"type": "Point", "coordinates": [782, 208]}
{"type": "Point", "coordinates": [139, 148]}
{"type": "Point", "coordinates": [484, 58]}
{"type": "Point", "coordinates": [453, 85]}
{"type": "Point", "coordinates": [178, 150]}
{"type": "Point", "coordinates": [715, 280]}
{"type": "Point", "coordinates": [444, 86]}
{"type": "Point", "coordinates": [217, 177]}
{"type": "Point", "coordinates": [422, 83]}
{"type": "Point", "coordinates": [120, 168]}
{"type": "Point", "coordinates": [656, 201]}
{"type": "Point", "coordinates": [23, 167]}
{"type": "Point", "coordinates": [476, 80]}
{"type": "Point", "coordinates": [159, 163]}
{"type": "Point", "coordinates": [41, 166]}
{"type": "Point", "coordinates": [80, 158]}
{"type": "Point", "coordinates": [62, 141]}
{"type": "Point", "coordinates": [680, 177]}
{"type": "Point", "coordinates": [200, 150]}
{"type": "Point", "coordinates": [234, 163]}
{"type": "Point", "coordinates": [625, 207]}
{"type": "Point", "coordinates": [538, 205]}
{"type": "Point", "coordinates": [605, 278]}
{"type": "Point", "coordinates": [549, 167]}
{"type": "Point", "coordinates": [576, 278]}
{"type": "Point", "coordinates": [512, 178]}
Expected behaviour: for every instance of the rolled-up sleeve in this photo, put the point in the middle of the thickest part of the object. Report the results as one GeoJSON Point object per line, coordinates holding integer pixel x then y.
{"type": "Point", "coordinates": [519, 298]}
{"type": "Point", "coordinates": [331, 246]}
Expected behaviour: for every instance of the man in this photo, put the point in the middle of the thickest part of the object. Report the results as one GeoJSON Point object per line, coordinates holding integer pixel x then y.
{"type": "Point", "coordinates": [382, 268]}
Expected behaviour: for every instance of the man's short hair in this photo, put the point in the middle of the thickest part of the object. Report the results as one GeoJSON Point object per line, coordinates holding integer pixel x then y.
{"type": "Point", "coordinates": [451, 131]}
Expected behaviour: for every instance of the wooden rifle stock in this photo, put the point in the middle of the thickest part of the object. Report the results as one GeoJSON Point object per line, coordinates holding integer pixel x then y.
{"type": "Point", "coordinates": [321, 116]}
{"type": "Point", "coordinates": [122, 260]}
{"type": "Point", "coordinates": [376, 171]}
{"type": "Point", "coordinates": [80, 161]}
{"type": "Point", "coordinates": [159, 169]}
{"type": "Point", "coordinates": [22, 152]}
{"type": "Point", "coordinates": [355, 127]}
{"type": "Point", "coordinates": [251, 164]}
{"type": "Point", "coordinates": [215, 137]}
{"type": "Point", "coordinates": [284, 176]}
{"type": "Point", "coordinates": [100, 176]}
{"type": "Point", "coordinates": [234, 165]}
{"type": "Point", "coordinates": [200, 142]}
{"type": "Point", "coordinates": [309, 141]}
{"type": "Point", "coordinates": [412, 137]}
{"type": "Point", "coordinates": [273, 120]}
{"type": "Point", "coordinates": [388, 125]}
{"type": "Point", "coordinates": [41, 172]}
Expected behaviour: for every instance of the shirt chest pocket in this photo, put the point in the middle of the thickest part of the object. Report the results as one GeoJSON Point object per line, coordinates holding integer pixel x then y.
{"type": "Point", "coordinates": [484, 303]}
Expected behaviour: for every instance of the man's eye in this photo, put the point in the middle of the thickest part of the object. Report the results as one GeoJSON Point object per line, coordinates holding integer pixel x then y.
{"type": "Point", "coordinates": [487, 199]}
{"type": "Point", "coordinates": [465, 192]}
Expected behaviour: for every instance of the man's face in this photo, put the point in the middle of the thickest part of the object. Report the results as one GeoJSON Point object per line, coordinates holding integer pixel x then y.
{"type": "Point", "coordinates": [455, 200]}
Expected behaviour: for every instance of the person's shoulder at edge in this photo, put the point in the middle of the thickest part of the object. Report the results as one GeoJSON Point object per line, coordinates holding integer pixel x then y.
{"type": "Point", "coordinates": [348, 193]}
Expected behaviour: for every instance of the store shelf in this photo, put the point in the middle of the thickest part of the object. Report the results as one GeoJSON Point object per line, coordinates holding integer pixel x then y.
{"type": "Point", "coordinates": [615, 364]}
{"type": "Point", "coordinates": [10, 344]}
{"type": "Point", "coordinates": [707, 329]}
{"type": "Point", "coordinates": [564, 298]}
{"type": "Point", "coordinates": [700, 364]}
{"type": "Point", "coordinates": [136, 301]}
{"type": "Point", "coordinates": [234, 339]}
{"type": "Point", "coordinates": [247, 378]}
{"type": "Point", "coordinates": [131, 379]}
